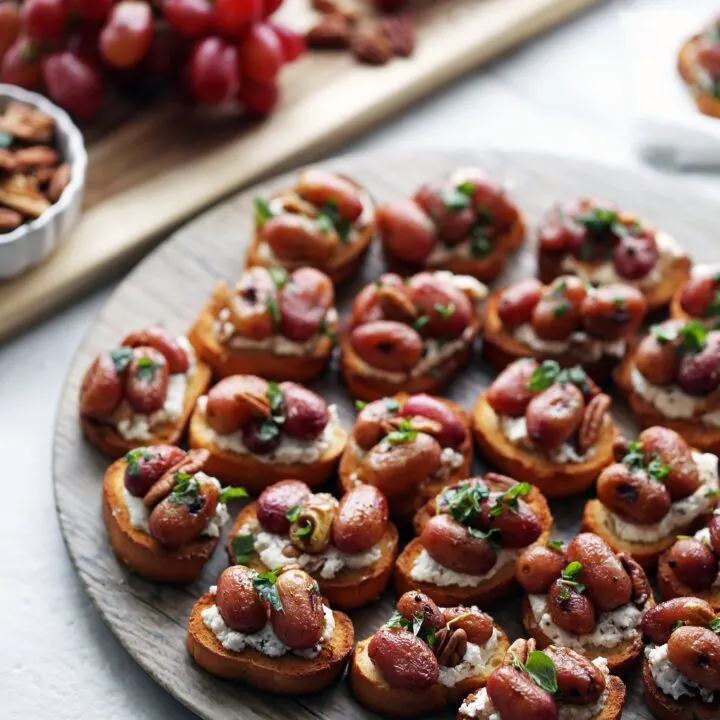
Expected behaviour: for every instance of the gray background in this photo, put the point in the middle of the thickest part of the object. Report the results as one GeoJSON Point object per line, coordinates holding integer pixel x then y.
{"type": "Point", "coordinates": [563, 93]}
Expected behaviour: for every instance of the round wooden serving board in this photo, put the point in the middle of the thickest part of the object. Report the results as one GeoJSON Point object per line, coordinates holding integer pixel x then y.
{"type": "Point", "coordinates": [172, 284]}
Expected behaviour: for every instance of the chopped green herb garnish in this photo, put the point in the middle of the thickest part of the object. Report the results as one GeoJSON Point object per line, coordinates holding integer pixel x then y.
{"type": "Point", "coordinates": [133, 459]}
{"type": "Point", "coordinates": [304, 531]}
{"type": "Point", "coordinates": [510, 499]}
{"type": "Point", "coordinates": [444, 311]}
{"type": "Point", "coordinates": [186, 491]}
{"type": "Point", "coordinates": [556, 545]}
{"type": "Point", "coordinates": [464, 502]}
{"type": "Point", "coordinates": [274, 310]}
{"type": "Point", "coordinates": [541, 669]}
{"type": "Point", "coordinates": [404, 433]}
{"type": "Point", "coordinates": [714, 625]}
{"type": "Point", "coordinates": [561, 309]}
{"type": "Point", "coordinates": [262, 211]}
{"type": "Point", "coordinates": [243, 547]}
{"type": "Point", "coordinates": [493, 535]}
{"type": "Point", "coordinates": [360, 405]}
{"type": "Point", "coordinates": [421, 322]}
{"type": "Point", "coordinates": [268, 431]}
{"type": "Point", "coordinates": [693, 336]}
{"type": "Point", "coordinates": [279, 276]}
{"type": "Point", "coordinates": [277, 402]}
{"type": "Point", "coordinates": [570, 574]}
{"type": "Point", "coordinates": [480, 243]}
{"type": "Point", "coordinates": [121, 358]}
{"type": "Point", "coordinates": [264, 584]}
{"type": "Point", "coordinates": [550, 372]}
{"type": "Point", "coordinates": [233, 493]}
{"type": "Point", "coordinates": [293, 513]}
{"type": "Point", "coordinates": [392, 405]}
{"type": "Point", "coordinates": [455, 199]}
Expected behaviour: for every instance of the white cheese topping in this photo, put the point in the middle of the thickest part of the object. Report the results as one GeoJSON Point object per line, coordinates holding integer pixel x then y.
{"type": "Point", "coordinates": [515, 430]}
{"type": "Point", "coordinates": [450, 460]}
{"type": "Point", "coordinates": [612, 628]}
{"type": "Point", "coordinates": [425, 569]}
{"type": "Point", "coordinates": [265, 641]}
{"type": "Point", "coordinates": [474, 662]}
{"type": "Point", "coordinates": [288, 452]}
{"type": "Point", "coordinates": [580, 344]}
{"type": "Point", "coordinates": [271, 550]}
{"type": "Point", "coordinates": [669, 679]}
{"type": "Point", "coordinates": [603, 273]}
{"type": "Point", "coordinates": [139, 516]}
{"type": "Point", "coordinates": [671, 401]}
{"type": "Point", "coordinates": [681, 513]}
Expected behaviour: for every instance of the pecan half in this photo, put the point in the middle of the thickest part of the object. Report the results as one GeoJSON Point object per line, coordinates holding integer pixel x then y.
{"type": "Point", "coordinates": [258, 404]}
{"type": "Point", "coordinates": [330, 31]}
{"type": "Point", "coordinates": [400, 33]}
{"type": "Point", "coordinates": [26, 123]}
{"type": "Point", "coordinates": [450, 646]}
{"type": "Point", "coordinates": [592, 421]}
{"type": "Point", "coordinates": [191, 464]}
{"type": "Point", "coordinates": [370, 44]}
{"type": "Point", "coordinates": [396, 305]}
{"type": "Point", "coordinates": [417, 423]}
{"type": "Point", "coordinates": [347, 8]}
{"type": "Point", "coordinates": [9, 220]}
{"type": "Point", "coordinates": [38, 156]}
{"type": "Point", "coordinates": [20, 193]}
{"type": "Point", "coordinates": [641, 590]}
{"type": "Point", "coordinates": [520, 651]}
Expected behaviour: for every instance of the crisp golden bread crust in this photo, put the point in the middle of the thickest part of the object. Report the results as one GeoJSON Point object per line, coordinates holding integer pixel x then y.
{"type": "Point", "coordinates": [688, 69]}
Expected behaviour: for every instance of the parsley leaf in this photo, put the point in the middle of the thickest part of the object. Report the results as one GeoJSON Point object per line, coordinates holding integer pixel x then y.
{"type": "Point", "coordinates": [268, 431]}
{"type": "Point", "coordinates": [509, 499]}
{"type": "Point", "coordinates": [561, 309]}
{"type": "Point", "coordinates": [360, 404]}
{"type": "Point", "coordinates": [264, 584]}
{"type": "Point", "coordinates": [405, 433]}
{"type": "Point", "coordinates": [274, 310]}
{"type": "Point", "coordinates": [464, 502]}
{"type": "Point", "coordinates": [279, 276]}
{"type": "Point", "coordinates": [293, 513]}
{"type": "Point", "coordinates": [277, 402]}
{"type": "Point", "coordinates": [330, 219]}
{"type": "Point", "coordinates": [541, 669]}
{"type": "Point", "coordinates": [635, 458]}
{"type": "Point", "coordinates": [133, 459]}
{"type": "Point", "coordinates": [556, 545]}
{"type": "Point", "coordinates": [444, 311]}
{"type": "Point", "coordinates": [418, 619]}
{"type": "Point", "coordinates": [663, 335]}
{"type": "Point", "coordinates": [714, 625]}
{"type": "Point", "coordinates": [480, 243]}
{"type": "Point", "coordinates": [304, 531]}
{"type": "Point", "coordinates": [493, 535]}
{"type": "Point", "coordinates": [455, 199]}
{"type": "Point", "coordinates": [421, 322]}
{"type": "Point", "coordinates": [262, 211]}
{"type": "Point", "coordinates": [693, 336]}
{"type": "Point", "coordinates": [599, 222]}
{"type": "Point", "coordinates": [233, 493]}
{"type": "Point", "coordinates": [121, 358]}
{"type": "Point", "coordinates": [569, 575]}
{"type": "Point", "coordinates": [243, 547]}
{"type": "Point", "coordinates": [657, 469]}
{"type": "Point", "coordinates": [544, 376]}
{"type": "Point", "coordinates": [186, 492]}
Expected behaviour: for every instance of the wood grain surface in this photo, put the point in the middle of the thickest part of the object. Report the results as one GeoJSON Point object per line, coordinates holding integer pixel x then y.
{"type": "Point", "coordinates": [171, 286]}
{"type": "Point", "coordinates": [166, 165]}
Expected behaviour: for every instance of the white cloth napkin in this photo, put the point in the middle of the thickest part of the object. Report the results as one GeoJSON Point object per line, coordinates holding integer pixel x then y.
{"type": "Point", "coordinates": [666, 126]}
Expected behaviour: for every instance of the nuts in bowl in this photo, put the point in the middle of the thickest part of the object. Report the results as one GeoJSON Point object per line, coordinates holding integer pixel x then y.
{"type": "Point", "coordinates": [42, 176]}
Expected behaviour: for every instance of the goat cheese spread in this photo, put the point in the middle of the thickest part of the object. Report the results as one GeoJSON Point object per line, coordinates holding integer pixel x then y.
{"type": "Point", "coordinates": [681, 513]}
{"type": "Point", "coordinates": [481, 707]}
{"type": "Point", "coordinates": [134, 426]}
{"type": "Point", "coordinates": [579, 344]}
{"type": "Point", "coordinates": [474, 661]}
{"type": "Point", "coordinates": [604, 273]}
{"type": "Point", "coordinates": [265, 641]}
{"type": "Point", "coordinates": [515, 430]}
{"type": "Point", "coordinates": [669, 679]}
{"type": "Point", "coordinates": [272, 548]}
{"type": "Point", "coordinates": [612, 628]}
{"type": "Point", "coordinates": [450, 460]}
{"type": "Point", "coordinates": [288, 452]}
{"type": "Point", "coordinates": [276, 344]}
{"type": "Point", "coordinates": [671, 401]}
{"type": "Point", "coordinates": [138, 514]}
{"type": "Point", "coordinates": [425, 569]}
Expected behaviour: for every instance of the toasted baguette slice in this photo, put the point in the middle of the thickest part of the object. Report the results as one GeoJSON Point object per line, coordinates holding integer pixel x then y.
{"type": "Point", "coordinates": [350, 588]}
{"type": "Point", "coordinates": [141, 552]}
{"type": "Point", "coordinates": [487, 590]}
{"type": "Point", "coordinates": [612, 709]}
{"type": "Point", "coordinates": [620, 659]}
{"type": "Point", "coordinates": [112, 443]}
{"type": "Point", "coordinates": [689, 72]}
{"type": "Point", "coordinates": [251, 472]}
{"type": "Point", "coordinates": [226, 361]}
{"type": "Point", "coordinates": [484, 269]}
{"type": "Point", "coordinates": [699, 435]}
{"type": "Point", "coordinates": [671, 586]}
{"type": "Point", "coordinates": [285, 675]}
{"type": "Point", "coordinates": [666, 707]}
{"type": "Point", "coordinates": [501, 348]}
{"type": "Point", "coordinates": [555, 480]}
{"type": "Point", "coordinates": [595, 519]}
{"type": "Point", "coordinates": [371, 690]}
{"type": "Point", "coordinates": [403, 509]}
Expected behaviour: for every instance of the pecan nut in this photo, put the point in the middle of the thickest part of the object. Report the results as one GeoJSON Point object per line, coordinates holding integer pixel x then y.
{"type": "Point", "coordinates": [347, 8]}
{"type": "Point", "coordinates": [191, 464]}
{"type": "Point", "coordinates": [592, 422]}
{"type": "Point", "coordinates": [400, 33]}
{"type": "Point", "coordinates": [26, 123]}
{"type": "Point", "coordinates": [331, 31]}
{"type": "Point", "coordinates": [450, 646]}
{"type": "Point", "coordinates": [641, 590]}
{"type": "Point", "coordinates": [396, 305]}
{"type": "Point", "coordinates": [520, 651]}
{"type": "Point", "coordinates": [417, 422]}
{"type": "Point", "coordinates": [59, 180]}
{"type": "Point", "coordinates": [20, 193]}
{"type": "Point", "coordinates": [9, 219]}
{"type": "Point", "coordinates": [258, 404]}
{"type": "Point", "coordinates": [38, 156]}
{"type": "Point", "coordinates": [370, 44]}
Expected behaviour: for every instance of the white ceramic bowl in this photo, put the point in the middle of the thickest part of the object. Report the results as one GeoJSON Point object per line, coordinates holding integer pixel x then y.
{"type": "Point", "coordinates": [32, 242]}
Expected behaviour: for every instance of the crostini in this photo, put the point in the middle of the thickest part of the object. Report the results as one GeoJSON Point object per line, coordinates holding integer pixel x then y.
{"type": "Point", "coordinates": [692, 566]}
{"type": "Point", "coordinates": [259, 432]}
{"type": "Point", "coordinates": [552, 683]}
{"type": "Point", "coordinates": [605, 246]}
{"type": "Point", "coordinates": [408, 446]}
{"type": "Point", "coordinates": [425, 658]}
{"type": "Point", "coordinates": [141, 392]}
{"type": "Point", "coordinates": [467, 224]}
{"type": "Point", "coordinates": [327, 221]}
{"type": "Point", "coordinates": [277, 324]}
{"type": "Point", "coordinates": [699, 67]}
{"type": "Point", "coordinates": [672, 378]}
{"type": "Point", "coordinates": [658, 488]}
{"type": "Point", "coordinates": [270, 630]}
{"type": "Point", "coordinates": [567, 321]}
{"type": "Point", "coordinates": [585, 597]}
{"type": "Point", "coordinates": [163, 513]}
{"type": "Point", "coordinates": [411, 335]}
{"type": "Point", "coordinates": [699, 297]}
{"type": "Point", "coordinates": [681, 670]}
{"type": "Point", "coordinates": [348, 546]}
{"type": "Point", "coordinates": [548, 425]}
{"type": "Point", "coordinates": [469, 537]}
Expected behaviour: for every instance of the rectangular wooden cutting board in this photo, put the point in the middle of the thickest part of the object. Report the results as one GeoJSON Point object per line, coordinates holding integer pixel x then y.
{"type": "Point", "coordinates": [161, 167]}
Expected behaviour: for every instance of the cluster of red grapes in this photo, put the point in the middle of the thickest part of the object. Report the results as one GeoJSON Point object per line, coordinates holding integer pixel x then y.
{"type": "Point", "coordinates": [216, 51]}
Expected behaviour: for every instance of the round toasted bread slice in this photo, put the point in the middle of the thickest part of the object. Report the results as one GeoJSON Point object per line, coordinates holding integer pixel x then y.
{"type": "Point", "coordinates": [487, 590]}
{"type": "Point", "coordinates": [112, 443]}
{"type": "Point", "coordinates": [555, 480]}
{"type": "Point", "coordinates": [373, 692]}
{"type": "Point", "coordinates": [141, 552]}
{"type": "Point", "coordinates": [697, 434]}
{"type": "Point", "coordinates": [253, 473]}
{"type": "Point", "coordinates": [612, 708]}
{"type": "Point", "coordinates": [689, 72]}
{"type": "Point", "coordinates": [226, 361]}
{"type": "Point", "coordinates": [596, 520]}
{"type": "Point", "coordinates": [671, 586]}
{"type": "Point", "coordinates": [484, 269]}
{"type": "Point", "coordinates": [501, 348]}
{"type": "Point", "coordinates": [666, 707]}
{"type": "Point", "coordinates": [351, 587]}
{"type": "Point", "coordinates": [285, 675]}
{"type": "Point", "coordinates": [620, 658]}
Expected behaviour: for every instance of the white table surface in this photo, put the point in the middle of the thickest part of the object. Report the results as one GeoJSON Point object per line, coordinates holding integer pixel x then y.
{"type": "Point", "coordinates": [563, 93]}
